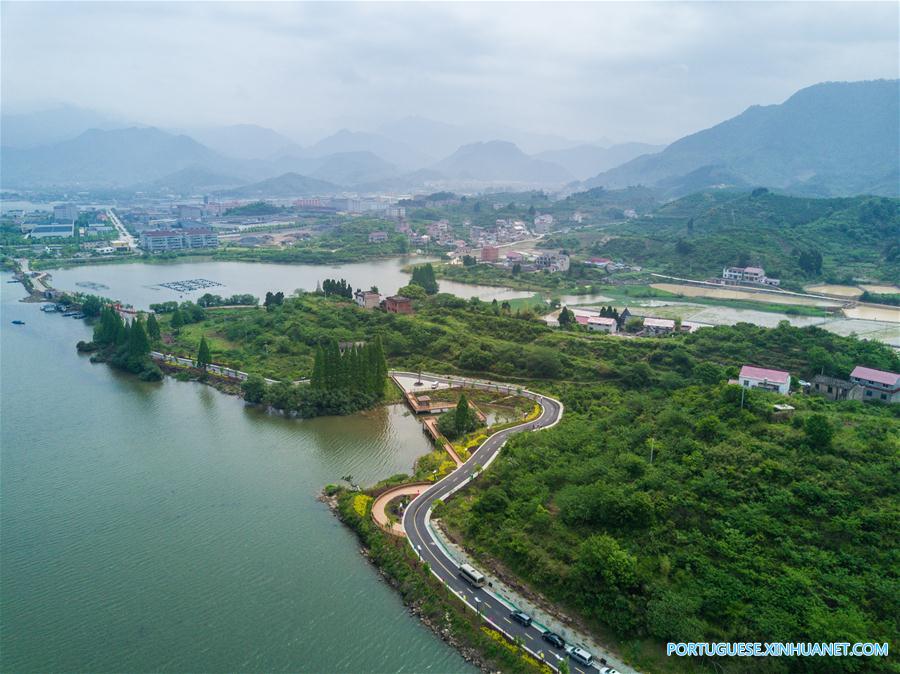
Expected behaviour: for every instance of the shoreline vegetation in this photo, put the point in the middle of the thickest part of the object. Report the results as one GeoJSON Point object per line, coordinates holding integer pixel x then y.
{"type": "Point", "coordinates": [423, 594]}
{"type": "Point", "coordinates": [660, 474]}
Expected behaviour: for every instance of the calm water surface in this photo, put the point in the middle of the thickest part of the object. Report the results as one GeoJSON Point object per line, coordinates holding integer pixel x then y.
{"type": "Point", "coordinates": [138, 283]}
{"type": "Point", "coordinates": [167, 527]}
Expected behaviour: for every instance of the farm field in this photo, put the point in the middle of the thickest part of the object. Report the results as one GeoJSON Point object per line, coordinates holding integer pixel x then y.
{"type": "Point", "coordinates": [850, 292]}
{"type": "Point", "coordinates": [732, 294]}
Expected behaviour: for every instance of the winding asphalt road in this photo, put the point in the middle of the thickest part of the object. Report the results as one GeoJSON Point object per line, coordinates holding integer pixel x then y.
{"type": "Point", "coordinates": [416, 522]}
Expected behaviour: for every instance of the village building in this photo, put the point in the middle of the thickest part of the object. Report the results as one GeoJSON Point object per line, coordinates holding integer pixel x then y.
{"type": "Point", "coordinates": [602, 324]}
{"type": "Point", "coordinates": [755, 275]}
{"type": "Point", "coordinates": [397, 304]}
{"type": "Point", "coordinates": [835, 389]}
{"type": "Point", "coordinates": [877, 384]}
{"type": "Point", "coordinates": [378, 237]}
{"type": "Point", "coordinates": [543, 224]}
{"type": "Point", "coordinates": [490, 254]}
{"type": "Point", "coordinates": [367, 299]}
{"type": "Point", "coordinates": [658, 326]}
{"type": "Point", "coordinates": [769, 380]}
{"type": "Point", "coordinates": [553, 261]}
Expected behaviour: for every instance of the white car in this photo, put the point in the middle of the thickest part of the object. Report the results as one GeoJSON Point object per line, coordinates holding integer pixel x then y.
{"type": "Point", "coordinates": [608, 670]}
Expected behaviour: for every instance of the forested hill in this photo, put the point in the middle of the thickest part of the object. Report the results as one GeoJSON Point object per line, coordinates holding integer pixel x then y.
{"type": "Point", "coordinates": [667, 505]}
{"type": "Point", "coordinates": [830, 139]}
{"type": "Point", "coordinates": [698, 235]}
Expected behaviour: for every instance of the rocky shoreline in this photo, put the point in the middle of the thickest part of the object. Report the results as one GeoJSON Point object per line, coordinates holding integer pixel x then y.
{"type": "Point", "coordinates": [470, 655]}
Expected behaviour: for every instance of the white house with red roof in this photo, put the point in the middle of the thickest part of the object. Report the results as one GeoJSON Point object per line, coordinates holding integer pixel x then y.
{"type": "Point", "coordinates": [877, 384]}
{"type": "Point", "coordinates": [760, 377]}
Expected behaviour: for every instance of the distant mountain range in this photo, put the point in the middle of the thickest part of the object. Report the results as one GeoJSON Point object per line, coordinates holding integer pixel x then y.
{"type": "Point", "coordinates": [584, 161]}
{"type": "Point", "coordinates": [245, 141]}
{"type": "Point", "coordinates": [191, 180]}
{"type": "Point", "coordinates": [284, 186]}
{"type": "Point", "coordinates": [500, 161]}
{"type": "Point", "coordinates": [116, 158]}
{"type": "Point", "coordinates": [830, 139]}
{"type": "Point", "coordinates": [836, 138]}
{"type": "Point", "coordinates": [56, 124]}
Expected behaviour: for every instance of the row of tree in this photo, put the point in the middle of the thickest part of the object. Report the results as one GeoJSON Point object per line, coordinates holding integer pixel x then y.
{"type": "Point", "coordinates": [124, 344]}
{"type": "Point", "coordinates": [342, 382]}
{"type": "Point", "coordinates": [273, 300]}
{"type": "Point", "coordinates": [358, 367]}
{"type": "Point", "coordinates": [338, 288]}
{"type": "Point", "coordinates": [424, 277]}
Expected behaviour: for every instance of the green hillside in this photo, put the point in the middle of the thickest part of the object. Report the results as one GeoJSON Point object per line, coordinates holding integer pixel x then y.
{"type": "Point", "coordinates": [857, 237]}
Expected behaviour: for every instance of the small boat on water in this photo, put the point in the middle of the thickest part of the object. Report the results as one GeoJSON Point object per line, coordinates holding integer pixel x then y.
{"type": "Point", "coordinates": [78, 315]}
{"type": "Point", "coordinates": [67, 314]}
{"type": "Point", "coordinates": [18, 322]}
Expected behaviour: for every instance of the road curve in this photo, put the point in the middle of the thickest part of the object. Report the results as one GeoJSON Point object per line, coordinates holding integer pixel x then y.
{"type": "Point", "coordinates": [416, 522]}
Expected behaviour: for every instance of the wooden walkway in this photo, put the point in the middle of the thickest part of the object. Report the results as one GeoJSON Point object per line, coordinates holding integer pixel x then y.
{"type": "Point", "coordinates": [430, 424]}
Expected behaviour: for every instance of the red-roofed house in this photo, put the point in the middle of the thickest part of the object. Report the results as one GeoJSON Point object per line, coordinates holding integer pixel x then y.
{"type": "Point", "coordinates": [877, 384]}
{"type": "Point", "coordinates": [600, 261]}
{"type": "Point", "coordinates": [760, 377]}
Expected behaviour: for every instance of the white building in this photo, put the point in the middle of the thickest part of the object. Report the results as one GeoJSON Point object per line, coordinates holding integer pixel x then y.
{"type": "Point", "coordinates": [367, 299]}
{"type": "Point", "coordinates": [877, 384]}
{"type": "Point", "coordinates": [177, 239]}
{"type": "Point", "coordinates": [760, 377]}
{"type": "Point", "coordinates": [755, 275]}
{"type": "Point", "coordinates": [602, 324]}
{"type": "Point", "coordinates": [659, 326]}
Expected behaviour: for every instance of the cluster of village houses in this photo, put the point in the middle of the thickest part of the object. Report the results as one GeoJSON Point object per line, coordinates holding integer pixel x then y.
{"type": "Point", "coordinates": [594, 321]}
{"type": "Point", "coordinates": [865, 383]}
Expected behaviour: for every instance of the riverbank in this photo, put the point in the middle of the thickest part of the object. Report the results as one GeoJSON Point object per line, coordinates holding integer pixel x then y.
{"type": "Point", "coordinates": [424, 595]}
{"type": "Point", "coordinates": [250, 256]}
{"type": "Point", "coordinates": [164, 527]}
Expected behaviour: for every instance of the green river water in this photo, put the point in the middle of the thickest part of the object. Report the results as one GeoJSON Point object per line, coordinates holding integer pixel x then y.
{"type": "Point", "coordinates": [167, 527]}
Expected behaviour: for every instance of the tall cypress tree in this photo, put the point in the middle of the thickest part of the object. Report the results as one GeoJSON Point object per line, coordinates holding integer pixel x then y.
{"type": "Point", "coordinates": [333, 377]}
{"type": "Point", "coordinates": [203, 354]}
{"type": "Point", "coordinates": [317, 380]}
{"type": "Point", "coordinates": [153, 327]}
{"type": "Point", "coordinates": [462, 415]}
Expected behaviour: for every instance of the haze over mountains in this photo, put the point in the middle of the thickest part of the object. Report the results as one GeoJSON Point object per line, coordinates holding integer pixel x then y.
{"type": "Point", "coordinates": [826, 140]}
{"type": "Point", "coordinates": [831, 139]}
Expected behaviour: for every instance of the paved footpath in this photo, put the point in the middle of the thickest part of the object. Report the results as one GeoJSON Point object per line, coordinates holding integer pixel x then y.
{"type": "Point", "coordinates": [378, 507]}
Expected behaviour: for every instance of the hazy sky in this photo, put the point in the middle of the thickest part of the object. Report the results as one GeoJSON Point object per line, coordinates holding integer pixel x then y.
{"type": "Point", "coordinates": [627, 71]}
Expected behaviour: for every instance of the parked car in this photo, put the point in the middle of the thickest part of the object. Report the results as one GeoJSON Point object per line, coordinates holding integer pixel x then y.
{"type": "Point", "coordinates": [521, 618]}
{"type": "Point", "coordinates": [580, 655]}
{"type": "Point", "coordinates": [553, 639]}
{"type": "Point", "coordinates": [608, 670]}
